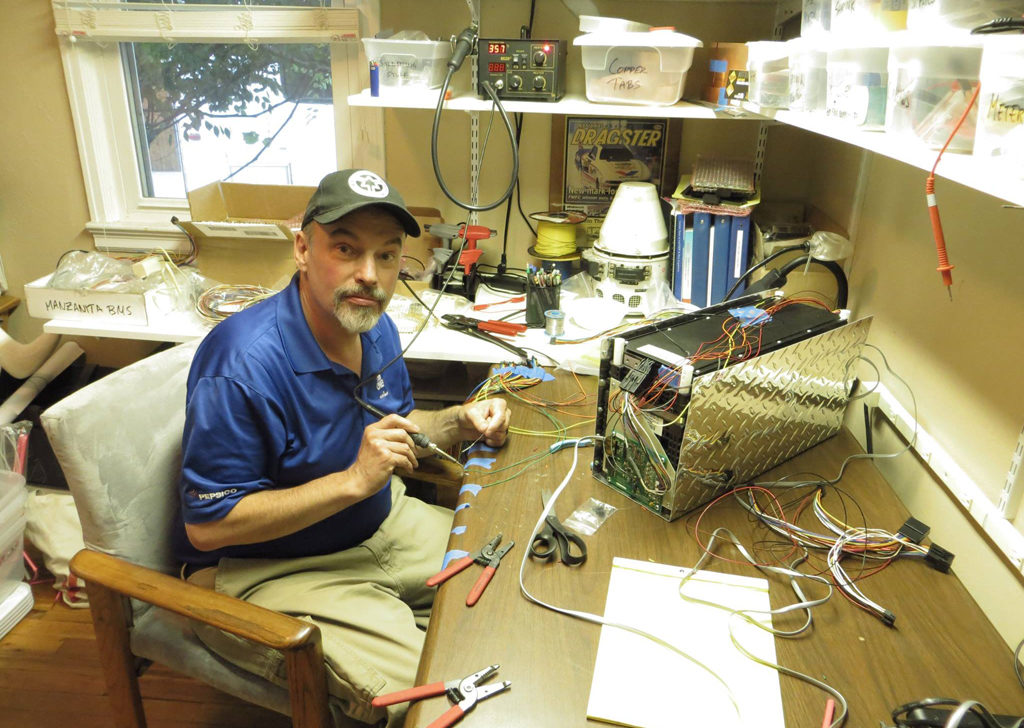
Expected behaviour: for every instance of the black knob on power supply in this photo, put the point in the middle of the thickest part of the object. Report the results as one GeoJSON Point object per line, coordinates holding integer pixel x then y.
{"type": "Point", "coordinates": [538, 83]}
{"type": "Point", "coordinates": [515, 82]}
{"type": "Point", "coordinates": [540, 58]}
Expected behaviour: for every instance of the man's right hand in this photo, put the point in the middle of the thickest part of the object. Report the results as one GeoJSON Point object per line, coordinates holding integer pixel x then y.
{"type": "Point", "coordinates": [385, 447]}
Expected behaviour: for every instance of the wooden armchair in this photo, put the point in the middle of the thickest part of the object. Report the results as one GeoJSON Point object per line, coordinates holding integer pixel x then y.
{"type": "Point", "coordinates": [118, 441]}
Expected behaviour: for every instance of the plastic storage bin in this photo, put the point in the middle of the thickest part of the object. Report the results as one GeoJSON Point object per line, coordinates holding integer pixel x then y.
{"type": "Point", "coordinates": [808, 79]}
{"type": "Point", "coordinates": [852, 19]}
{"type": "Point", "coordinates": [1001, 105]}
{"type": "Point", "coordinates": [768, 74]}
{"type": "Point", "coordinates": [636, 68]}
{"type": "Point", "coordinates": [406, 64]}
{"type": "Point", "coordinates": [815, 18]}
{"type": "Point", "coordinates": [929, 89]}
{"type": "Point", "coordinates": [12, 526]}
{"type": "Point", "coordinates": [931, 15]}
{"type": "Point", "coordinates": [857, 79]}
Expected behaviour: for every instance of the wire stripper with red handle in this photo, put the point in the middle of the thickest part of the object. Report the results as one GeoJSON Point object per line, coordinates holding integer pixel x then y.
{"type": "Point", "coordinates": [465, 693]}
{"type": "Point", "coordinates": [489, 556]}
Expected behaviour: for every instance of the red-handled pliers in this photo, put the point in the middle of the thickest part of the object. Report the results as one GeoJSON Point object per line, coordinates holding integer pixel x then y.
{"type": "Point", "coordinates": [489, 556]}
{"type": "Point", "coordinates": [465, 693]}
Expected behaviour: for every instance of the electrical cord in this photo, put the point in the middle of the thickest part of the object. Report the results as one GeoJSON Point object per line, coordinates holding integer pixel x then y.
{"type": "Point", "coordinates": [1016, 663]}
{"type": "Point", "coordinates": [463, 46]}
{"type": "Point", "coordinates": [944, 268]}
{"type": "Point", "coordinates": [904, 716]}
{"type": "Point", "coordinates": [595, 618]}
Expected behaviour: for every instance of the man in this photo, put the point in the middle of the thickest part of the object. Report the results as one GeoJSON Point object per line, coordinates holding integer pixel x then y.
{"type": "Point", "coordinates": [288, 499]}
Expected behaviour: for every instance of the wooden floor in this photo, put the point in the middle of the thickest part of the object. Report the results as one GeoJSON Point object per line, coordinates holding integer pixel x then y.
{"type": "Point", "coordinates": [50, 678]}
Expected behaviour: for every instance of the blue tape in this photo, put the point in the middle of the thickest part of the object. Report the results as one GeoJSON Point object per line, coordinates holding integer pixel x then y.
{"type": "Point", "coordinates": [461, 506]}
{"type": "Point", "coordinates": [484, 463]}
{"type": "Point", "coordinates": [458, 530]}
{"type": "Point", "coordinates": [471, 488]}
{"type": "Point", "coordinates": [534, 372]}
{"type": "Point", "coordinates": [747, 315]}
{"type": "Point", "coordinates": [451, 556]}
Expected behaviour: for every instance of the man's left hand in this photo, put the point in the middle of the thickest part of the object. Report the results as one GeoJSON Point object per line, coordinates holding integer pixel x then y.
{"type": "Point", "coordinates": [487, 419]}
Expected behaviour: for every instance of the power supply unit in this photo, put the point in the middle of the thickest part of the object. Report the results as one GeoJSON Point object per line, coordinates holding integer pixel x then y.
{"type": "Point", "coordinates": [696, 404]}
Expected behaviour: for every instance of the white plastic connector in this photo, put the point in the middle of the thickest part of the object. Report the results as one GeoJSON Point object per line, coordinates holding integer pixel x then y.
{"type": "Point", "coordinates": [147, 266]}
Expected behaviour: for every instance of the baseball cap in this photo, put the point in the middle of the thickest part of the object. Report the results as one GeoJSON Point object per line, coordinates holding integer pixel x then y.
{"type": "Point", "coordinates": [340, 193]}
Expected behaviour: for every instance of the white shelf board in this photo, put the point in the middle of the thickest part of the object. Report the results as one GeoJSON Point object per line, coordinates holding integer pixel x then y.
{"type": "Point", "coordinates": [571, 105]}
{"type": "Point", "coordinates": [977, 173]}
{"type": "Point", "coordinates": [173, 327]}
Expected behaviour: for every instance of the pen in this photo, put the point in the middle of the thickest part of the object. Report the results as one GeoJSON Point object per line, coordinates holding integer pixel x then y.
{"type": "Point", "coordinates": [830, 708]}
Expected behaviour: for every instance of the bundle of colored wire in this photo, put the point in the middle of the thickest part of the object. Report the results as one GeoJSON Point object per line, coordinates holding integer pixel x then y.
{"type": "Point", "coordinates": [217, 303]}
{"type": "Point", "coordinates": [866, 543]}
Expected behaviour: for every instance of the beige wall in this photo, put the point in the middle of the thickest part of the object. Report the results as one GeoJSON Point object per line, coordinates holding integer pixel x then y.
{"type": "Point", "coordinates": [961, 357]}
{"type": "Point", "coordinates": [43, 208]}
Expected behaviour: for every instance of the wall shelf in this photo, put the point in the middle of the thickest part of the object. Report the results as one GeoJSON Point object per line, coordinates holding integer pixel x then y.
{"type": "Point", "coordinates": [978, 173]}
{"type": "Point", "coordinates": [570, 104]}
{"type": "Point", "coordinates": [973, 172]}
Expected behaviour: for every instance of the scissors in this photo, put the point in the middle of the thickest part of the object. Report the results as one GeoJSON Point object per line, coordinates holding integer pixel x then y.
{"type": "Point", "coordinates": [556, 537]}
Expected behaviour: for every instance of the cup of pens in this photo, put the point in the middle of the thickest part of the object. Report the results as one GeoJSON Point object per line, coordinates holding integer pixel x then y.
{"type": "Point", "coordinates": [542, 290]}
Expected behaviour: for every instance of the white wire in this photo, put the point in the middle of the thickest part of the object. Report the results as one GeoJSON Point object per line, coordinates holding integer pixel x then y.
{"type": "Point", "coordinates": [859, 456]}
{"type": "Point", "coordinates": [594, 618]}
{"type": "Point", "coordinates": [744, 614]}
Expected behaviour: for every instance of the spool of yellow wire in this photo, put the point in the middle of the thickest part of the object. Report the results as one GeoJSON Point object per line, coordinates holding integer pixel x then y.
{"type": "Point", "coordinates": [556, 240]}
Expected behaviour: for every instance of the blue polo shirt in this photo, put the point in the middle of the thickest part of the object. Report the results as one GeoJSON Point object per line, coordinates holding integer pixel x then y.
{"type": "Point", "coordinates": [266, 409]}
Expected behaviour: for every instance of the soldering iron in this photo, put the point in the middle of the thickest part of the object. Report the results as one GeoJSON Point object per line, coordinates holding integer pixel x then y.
{"type": "Point", "coordinates": [420, 439]}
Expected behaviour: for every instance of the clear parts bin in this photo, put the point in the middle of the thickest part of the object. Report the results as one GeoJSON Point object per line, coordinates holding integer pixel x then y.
{"type": "Point", "coordinates": [636, 68]}
{"type": "Point", "coordinates": [929, 90]}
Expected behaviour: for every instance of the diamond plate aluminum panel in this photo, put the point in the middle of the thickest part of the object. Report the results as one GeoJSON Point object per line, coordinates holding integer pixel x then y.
{"type": "Point", "coordinates": [749, 417]}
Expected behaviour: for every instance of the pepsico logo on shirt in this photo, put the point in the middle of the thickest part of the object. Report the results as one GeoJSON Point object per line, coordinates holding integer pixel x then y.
{"type": "Point", "coordinates": [368, 184]}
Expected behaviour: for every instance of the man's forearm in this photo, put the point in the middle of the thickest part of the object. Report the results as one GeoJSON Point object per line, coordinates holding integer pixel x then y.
{"type": "Point", "coordinates": [270, 514]}
{"type": "Point", "coordinates": [443, 427]}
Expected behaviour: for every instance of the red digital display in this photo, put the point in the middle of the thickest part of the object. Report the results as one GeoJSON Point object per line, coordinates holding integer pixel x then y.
{"type": "Point", "coordinates": [495, 67]}
{"type": "Point", "coordinates": [496, 48]}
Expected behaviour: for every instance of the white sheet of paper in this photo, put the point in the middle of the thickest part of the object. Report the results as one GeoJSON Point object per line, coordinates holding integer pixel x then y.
{"type": "Point", "coordinates": [638, 682]}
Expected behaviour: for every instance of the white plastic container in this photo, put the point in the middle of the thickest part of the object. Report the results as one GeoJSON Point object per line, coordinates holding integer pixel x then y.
{"type": "Point", "coordinates": [1001, 104]}
{"type": "Point", "coordinates": [929, 89]}
{"type": "Point", "coordinates": [636, 68]}
{"type": "Point", "coordinates": [768, 73]}
{"type": "Point", "coordinates": [857, 79]}
{"type": "Point", "coordinates": [12, 526]}
{"type": "Point", "coordinates": [815, 18]}
{"type": "Point", "coordinates": [931, 15]}
{"type": "Point", "coordinates": [852, 19]}
{"type": "Point", "coordinates": [808, 79]}
{"type": "Point", "coordinates": [408, 64]}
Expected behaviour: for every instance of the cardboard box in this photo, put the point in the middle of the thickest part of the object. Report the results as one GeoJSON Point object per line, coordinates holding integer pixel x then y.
{"type": "Point", "coordinates": [85, 305]}
{"type": "Point", "coordinates": [244, 232]}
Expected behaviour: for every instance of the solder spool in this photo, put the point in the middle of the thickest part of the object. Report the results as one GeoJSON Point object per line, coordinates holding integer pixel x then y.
{"type": "Point", "coordinates": [556, 240]}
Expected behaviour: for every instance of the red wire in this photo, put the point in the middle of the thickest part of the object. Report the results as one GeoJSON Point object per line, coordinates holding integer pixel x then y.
{"type": "Point", "coordinates": [944, 269]}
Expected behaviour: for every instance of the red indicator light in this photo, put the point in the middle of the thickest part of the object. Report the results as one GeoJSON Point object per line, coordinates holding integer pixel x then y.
{"type": "Point", "coordinates": [547, 48]}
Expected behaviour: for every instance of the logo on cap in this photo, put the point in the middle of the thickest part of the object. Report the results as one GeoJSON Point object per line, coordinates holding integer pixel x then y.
{"type": "Point", "coordinates": [368, 184]}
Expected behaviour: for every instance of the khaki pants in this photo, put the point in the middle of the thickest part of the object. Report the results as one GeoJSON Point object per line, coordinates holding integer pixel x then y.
{"type": "Point", "coordinates": [370, 603]}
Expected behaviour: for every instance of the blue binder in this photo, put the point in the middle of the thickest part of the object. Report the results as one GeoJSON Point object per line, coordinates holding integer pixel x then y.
{"type": "Point", "coordinates": [700, 277]}
{"type": "Point", "coordinates": [739, 252]}
{"type": "Point", "coordinates": [719, 266]}
{"type": "Point", "coordinates": [678, 254]}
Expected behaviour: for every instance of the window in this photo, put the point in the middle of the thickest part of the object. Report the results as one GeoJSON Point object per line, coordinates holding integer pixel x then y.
{"type": "Point", "coordinates": [203, 112]}
{"type": "Point", "coordinates": [169, 95]}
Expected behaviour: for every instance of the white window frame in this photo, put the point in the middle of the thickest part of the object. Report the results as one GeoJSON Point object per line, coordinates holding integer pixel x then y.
{"type": "Point", "coordinates": [121, 217]}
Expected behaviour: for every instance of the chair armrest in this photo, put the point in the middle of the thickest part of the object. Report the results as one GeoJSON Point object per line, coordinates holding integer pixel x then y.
{"type": "Point", "coordinates": [240, 618]}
